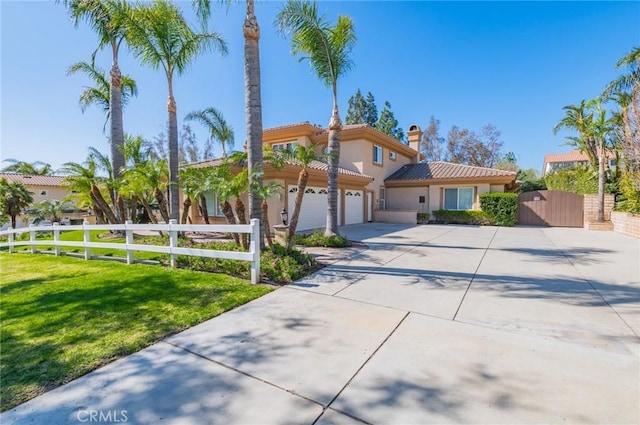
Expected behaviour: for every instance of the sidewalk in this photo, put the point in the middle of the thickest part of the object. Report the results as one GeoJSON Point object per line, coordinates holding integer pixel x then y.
{"type": "Point", "coordinates": [430, 324]}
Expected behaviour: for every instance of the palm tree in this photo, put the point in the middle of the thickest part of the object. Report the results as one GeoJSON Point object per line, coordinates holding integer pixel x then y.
{"type": "Point", "coordinates": [221, 183]}
{"type": "Point", "coordinates": [14, 197]}
{"type": "Point", "coordinates": [600, 129]}
{"type": "Point", "coordinates": [629, 82]}
{"type": "Point", "coordinates": [36, 168]}
{"type": "Point", "coordinates": [303, 157]}
{"type": "Point", "coordinates": [50, 209]}
{"type": "Point", "coordinates": [106, 18]}
{"type": "Point", "coordinates": [218, 128]}
{"type": "Point", "coordinates": [191, 180]}
{"type": "Point", "coordinates": [578, 118]}
{"type": "Point", "coordinates": [252, 95]}
{"type": "Point", "coordinates": [100, 93]}
{"type": "Point", "coordinates": [84, 179]}
{"type": "Point", "coordinates": [161, 38]}
{"type": "Point", "coordinates": [328, 50]}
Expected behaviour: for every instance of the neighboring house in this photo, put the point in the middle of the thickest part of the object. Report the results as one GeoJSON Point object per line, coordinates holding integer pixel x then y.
{"type": "Point", "coordinates": [575, 158]}
{"type": "Point", "coordinates": [43, 188]}
{"type": "Point", "coordinates": [370, 163]}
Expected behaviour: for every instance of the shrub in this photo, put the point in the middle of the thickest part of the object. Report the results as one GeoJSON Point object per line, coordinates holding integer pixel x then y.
{"type": "Point", "coordinates": [629, 194]}
{"type": "Point", "coordinates": [317, 238]}
{"type": "Point", "coordinates": [500, 208]}
{"type": "Point", "coordinates": [579, 180]}
{"type": "Point", "coordinates": [423, 218]}
{"type": "Point", "coordinates": [531, 185]}
{"type": "Point", "coordinates": [280, 266]}
{"type": "Point", "coordinates": [460, 217]}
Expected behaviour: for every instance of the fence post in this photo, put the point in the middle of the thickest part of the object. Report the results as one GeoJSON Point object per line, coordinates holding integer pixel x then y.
{"type": "Point", "coordinates": [56, 238]}
{"type": "Point", "coordinates": [254, 248]}
{"type": "Point", "coordinates": [173, 241]}
{"type": "Point", "coordinates": [32, 238]}
{"type": "Point", "coordinates": [11, 238]}
{"type": "Point", "coordinates": [86, 239]}
{"type": "Point", "coordinates": [128, 240]}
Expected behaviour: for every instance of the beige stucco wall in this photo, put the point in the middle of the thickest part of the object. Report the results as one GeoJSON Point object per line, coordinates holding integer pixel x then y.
{"type": "Point", "coordinates": [357, 155]}
{"type": "Point", "coordinates": [397, 216]}
{"type": "Point", "coordinates": [51, 192]}
{"type": "Point", "coordinates": [407, 198]}
{"type": "Point", "coordinates": [436, 192]}
{"type": "Point", "coordinates": [497, 188]}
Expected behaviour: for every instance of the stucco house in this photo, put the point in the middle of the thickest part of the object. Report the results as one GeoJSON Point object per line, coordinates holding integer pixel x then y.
{"type": "Point", "coordinates": [380, 178]}
{"type": "Point", "coordinates": [575, 158]}
{"type": "Point", "coordinates": [43, 188]}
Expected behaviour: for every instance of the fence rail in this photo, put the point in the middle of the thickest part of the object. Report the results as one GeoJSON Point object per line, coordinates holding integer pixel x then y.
{"type": "Point", "coordinates": [253, 255]}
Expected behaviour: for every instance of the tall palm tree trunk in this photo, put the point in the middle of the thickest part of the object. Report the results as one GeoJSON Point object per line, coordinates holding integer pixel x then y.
{"type": "Point", "coordinates": [174, 205]}
{"type": "Point", "coordinates": [116, 125]}
{"type": "Point", "coordinates": [335, 127]}
{"type": "Point", "coordinates": [253, 111]}
{"type": "Point", "coordinates": [303, 178]}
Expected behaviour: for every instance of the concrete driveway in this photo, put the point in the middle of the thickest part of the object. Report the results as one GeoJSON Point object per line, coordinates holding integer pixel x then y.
{"type": "Point", "coordinates": [430, 324]}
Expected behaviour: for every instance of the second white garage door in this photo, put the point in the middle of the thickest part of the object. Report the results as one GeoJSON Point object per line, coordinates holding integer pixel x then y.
{"type": "Point", "coordinates": [354, 207]}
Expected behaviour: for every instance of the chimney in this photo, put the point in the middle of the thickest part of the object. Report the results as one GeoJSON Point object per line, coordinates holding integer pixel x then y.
{"type": "Point", "coordinates": [415, 137]}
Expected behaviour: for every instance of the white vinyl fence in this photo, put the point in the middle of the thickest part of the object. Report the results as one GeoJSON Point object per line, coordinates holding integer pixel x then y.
{"type": "Point", "coordinates": [129, 246]}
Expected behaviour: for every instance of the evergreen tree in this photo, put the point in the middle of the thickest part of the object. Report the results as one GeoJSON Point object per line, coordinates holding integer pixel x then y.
{"type": "Point", "coordinates": [388, 124]}
{"type": "Point", "coordinates": [357, 109]}
{"type": "Point", "coordinates": [370, 111]}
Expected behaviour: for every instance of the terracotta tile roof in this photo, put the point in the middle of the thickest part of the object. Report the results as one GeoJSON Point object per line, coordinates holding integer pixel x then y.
{"type": "Point", "coordinates": [315, 165]}
{"type": "Point", "coordinates": [445, 170]}
{"type": "Point", "coordinates": [573, 156]}
{"type": "Point", "coordinates": [33, 180]}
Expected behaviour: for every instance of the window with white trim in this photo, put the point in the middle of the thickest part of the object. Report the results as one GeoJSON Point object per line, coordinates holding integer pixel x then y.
{"type": "Point", "coordinates": [377, 154]}
{"type": "Point", "coordinates": [460, 198]}
{"type": "Point", "coordinates": [291, 146]}
{"type": "Point", "coordinates": [392, 155]}
{"type": "Point", "coordinates": [213, 204]}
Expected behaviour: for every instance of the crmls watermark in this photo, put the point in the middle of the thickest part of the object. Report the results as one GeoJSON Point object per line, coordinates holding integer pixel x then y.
{"type": "Point", "coordinates": [104, 416]}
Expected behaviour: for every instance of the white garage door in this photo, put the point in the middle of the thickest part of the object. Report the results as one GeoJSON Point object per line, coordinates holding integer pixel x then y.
{"type": "Point", "coordinates": [354, 212]}
{"type": "Point", "coordinates": [314, 207]}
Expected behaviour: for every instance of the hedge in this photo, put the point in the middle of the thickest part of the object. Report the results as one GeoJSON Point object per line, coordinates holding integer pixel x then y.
{"type": "Point", "coordinates": [500, 208]}
{"type": "Point", "coordinates": [460, 217]}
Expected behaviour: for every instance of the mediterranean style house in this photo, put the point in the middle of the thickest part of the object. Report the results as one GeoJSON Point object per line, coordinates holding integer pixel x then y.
{"type": "Point", "coordinates": [575, 158]}
{"type": "Point", "coordinates": [380, 179]}
{"type": "Point", "coordinates": [44, 188]}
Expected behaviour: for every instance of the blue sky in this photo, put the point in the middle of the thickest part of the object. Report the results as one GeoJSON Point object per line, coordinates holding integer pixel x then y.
{"type": "Point", "coordinates": [512, 64]}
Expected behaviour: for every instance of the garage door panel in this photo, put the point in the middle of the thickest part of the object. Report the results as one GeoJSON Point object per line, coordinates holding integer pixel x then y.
{"type": "Point", "coordinates": [314, 207]}
{"type": "Point", "coordinates": [354, 206]}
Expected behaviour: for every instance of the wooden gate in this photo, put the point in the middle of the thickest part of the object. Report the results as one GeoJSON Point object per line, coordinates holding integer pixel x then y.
{"type": "Point", "coordinates": [550, 208]}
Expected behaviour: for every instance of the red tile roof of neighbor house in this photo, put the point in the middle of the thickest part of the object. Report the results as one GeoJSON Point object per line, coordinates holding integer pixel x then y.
{"type": "Point", "coordinates": [445, 170]}
{"type": "Point", "coordinates": [33, 180]}
{"type": "Point", "coordinates": [573, 156]}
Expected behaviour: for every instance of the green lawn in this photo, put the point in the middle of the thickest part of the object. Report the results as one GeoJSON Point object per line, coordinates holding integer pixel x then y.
{"type": "Point", "coordinates": [63, 317]}
{"type": "Point", "coordinates": [96, 236]}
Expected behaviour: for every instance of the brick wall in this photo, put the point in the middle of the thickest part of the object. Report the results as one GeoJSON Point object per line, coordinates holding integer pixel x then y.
{"type": "Point", "coordinates": [626, 223]}
{"type": "Point", "coordinates": [591, 208]}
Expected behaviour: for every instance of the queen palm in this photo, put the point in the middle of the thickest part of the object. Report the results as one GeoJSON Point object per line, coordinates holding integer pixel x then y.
{"type": "Point", "coordinates": [14, 197]}
{"type": "Point", "coordinates": [84, 179]}
{"type": "Point", "coordinates": [106, 18]}
{"type": "Point", "coordinates": [578, 118]}
{"type": "Point", "coordinates": [219, 129]}
{"type": "Point", "coordinates": [100, 93]}
{"type": "Point", "coordinates": [267, 191]}
{"type": "Point", "coordinates": [252, 96]}
{"type": "Point", "coordinates": [328, 49]}
{"type": "Point", "coordinates": [303, 157]}
{"type": "Point", "coordinates": [50, 209]}
{"type": "Point", "coordinates": [36, 168]}
{"type": "Point", "coordinates": [600, 129]}
{"type": "Point", "coordinates": [629, 82]}
{"type": "Point", "coordinates": [161, 38]}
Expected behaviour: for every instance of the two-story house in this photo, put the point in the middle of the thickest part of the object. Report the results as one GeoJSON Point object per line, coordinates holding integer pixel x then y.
{"type": "Point", "coordinates": [378, 176]}
{"type": "Point", "coordinates": [575, 158]}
